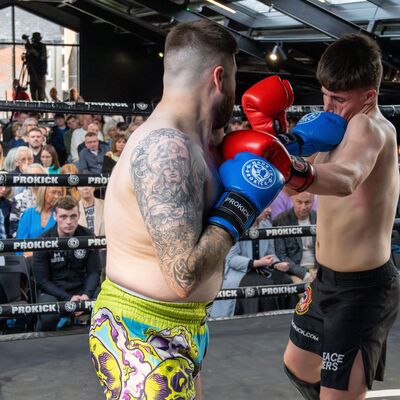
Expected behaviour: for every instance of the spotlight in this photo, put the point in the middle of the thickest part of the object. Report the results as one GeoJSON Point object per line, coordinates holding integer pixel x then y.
{"type": "Point", "coordinates": [277, 53]}
{"type": "Point", "coordinates": [161, 54]}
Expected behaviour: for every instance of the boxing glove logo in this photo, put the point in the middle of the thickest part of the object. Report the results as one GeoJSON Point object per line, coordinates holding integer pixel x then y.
{"type": "Point", "coordinates": [309, 118]}
{"type": "Point", "coordinates": [259, 174]}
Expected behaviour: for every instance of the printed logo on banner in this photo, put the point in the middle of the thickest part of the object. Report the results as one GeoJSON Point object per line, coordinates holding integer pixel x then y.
{"type": "Point", "coordinates": [142, 106]}
{"type": "Point", "coordinates": [259, 174]}
{"type": "Point", "coordinates": [80, 254]}
{"type": "Point", "coordinates": [254, 234]}
{"type": "Point", "coordinates": [249, 292]}
{"type": "Point", "coordinates": [313, 229]}
{"type": "Point", "coordinates": [70, 306]}
{"type": "Point", "coordinates": [2, 179]}
{"type": "Point", "coordinates": [73, 243]}
{"type": "Point", "coordinates": [1, 245]}
{"type": "Point", "coordinates": [73, 180]}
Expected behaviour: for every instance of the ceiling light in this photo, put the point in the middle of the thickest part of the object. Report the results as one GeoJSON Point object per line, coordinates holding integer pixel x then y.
{"type": "Point", "coordinates": [224, 7]}
{"type": "Point", "coordinates": [161, 54]}
{"type": "Point", "coordinates": [277, 53]}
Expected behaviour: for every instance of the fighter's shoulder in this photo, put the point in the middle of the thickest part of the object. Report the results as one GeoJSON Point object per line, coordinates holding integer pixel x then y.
{"type": "Point", "coordinates": [366, 126]}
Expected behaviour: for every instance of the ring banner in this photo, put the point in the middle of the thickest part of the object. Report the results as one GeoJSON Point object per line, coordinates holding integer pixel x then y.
{"type": "Point", "coordinates": [75, 243]}
{"type": "Point", "coordinates": [279, 232]}
{"type": "Point", "coordinates": [62, 307]}
{"type": "Point", "coordinates": [140, 108]}
{"type": "Point", "coordinates": [261, 291]}
{"type": "Point", "coordinates": [12, 179]}
{"type": "Point", "coordinates": [65, 307]}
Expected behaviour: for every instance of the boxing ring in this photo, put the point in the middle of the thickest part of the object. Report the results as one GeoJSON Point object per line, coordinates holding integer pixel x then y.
{"type": "Point", "coordinates": [244, 361]}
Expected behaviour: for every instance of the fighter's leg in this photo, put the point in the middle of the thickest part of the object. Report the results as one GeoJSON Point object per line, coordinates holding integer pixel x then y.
{"type": "Point", "coordinates": [303, 369]}
{"type": "Point", "coordinates": [198, 386]}
{"type": "Point", "coordinates": [357, 389]}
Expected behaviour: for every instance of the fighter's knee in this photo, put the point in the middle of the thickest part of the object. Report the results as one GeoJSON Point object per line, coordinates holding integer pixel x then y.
{"type": "Point", "coordinates": [309, 391]}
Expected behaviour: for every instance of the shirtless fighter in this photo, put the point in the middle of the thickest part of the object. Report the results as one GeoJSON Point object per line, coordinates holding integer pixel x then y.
{"type": "Point", "coordinates": [170, 220]}
{"type": "Point", "coordinates": [337, 343]}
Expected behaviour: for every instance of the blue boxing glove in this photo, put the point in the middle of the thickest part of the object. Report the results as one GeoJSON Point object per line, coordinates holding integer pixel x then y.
{"type": "Point", "coordinates": [315, 132]}
{"type": "Point", "coordinates": [251, 183]}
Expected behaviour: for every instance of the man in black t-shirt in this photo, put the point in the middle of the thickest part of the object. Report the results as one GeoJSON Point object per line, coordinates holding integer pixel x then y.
{"type": "Point", "coordinates": [65, 275]}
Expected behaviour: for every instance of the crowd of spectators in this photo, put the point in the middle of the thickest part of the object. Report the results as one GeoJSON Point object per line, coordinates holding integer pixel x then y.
{"type": "Point", "coordinates": [91, 144]}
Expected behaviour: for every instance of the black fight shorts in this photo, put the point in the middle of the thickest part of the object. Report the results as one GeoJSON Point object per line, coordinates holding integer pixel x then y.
{"type": "Point", "coordinates": [344, 312]}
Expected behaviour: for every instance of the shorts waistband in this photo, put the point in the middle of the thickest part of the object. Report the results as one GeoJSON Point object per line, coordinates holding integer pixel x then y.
{"type": "Point", "coordinates": [114, 296]}
{"type": "Point", "coordinates": [372, 277]}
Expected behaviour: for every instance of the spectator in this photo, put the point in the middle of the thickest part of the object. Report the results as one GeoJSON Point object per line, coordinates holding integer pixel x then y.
{"type": "Point", "coordinates": [45, 133]}
{"type": "Point", "coordinates": [74, 96]}
{"type": "Point", "coordinates": [56, 137]}
{"type": "Point", "coordinates": [21, 118]}
{"type": "Point", "coordinates": [78, 135]}
{"type": "Point", "coordinates": [66, 275]}
{"type": "Point", "coordinates": [91, 211]}
{"type": "Point", "coordinates": [252, 263]}
{"type": "Point", "coordinates": [25, 199]}
{"type": "Point", "coordinates": [9, 161]}
{"type": "Point", "coordinates": [2, 158]}
{"type": "Point", "coordinates": [72, 124]}
{"type": "Point", "coordinates": [110, 133]}
{"type": "Point", "coordinates": [19, 92]}
{"type": "Point", "coordinates": [35, 142]}
{"type": "Point", "coordinates": [93, 127]}
{"type": "Point", "coordinates": [111, 157]}
{"type": "Point", "coordinates": [6, 193]}
{"type": "Point", "coordinates": [283, 202]}
{"type": "Point", "coordinates": [22, 158]}
{"type": "Point", "coordinates": [54, 95]}
{"type": "Point", "coordinates": [28, 124]}
{"type": "Point", "coordinates": [71, 169]}
{"type": "Point", "coordinates": [236, 124]}
{"type": "Point", "coordinates": [92, 156]}
{"type": "Point", "coordinates": [299, 252]}
{"type": "Point", "coordinates": [49, 159]}
{"type": "Point", "coordinates": [17, 140]}
{"type": "Point", "coordinates": [35, 220]}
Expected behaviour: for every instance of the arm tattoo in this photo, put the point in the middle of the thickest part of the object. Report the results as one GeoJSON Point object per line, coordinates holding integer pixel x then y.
{"type": "Point", "coordinates": [168, 176]}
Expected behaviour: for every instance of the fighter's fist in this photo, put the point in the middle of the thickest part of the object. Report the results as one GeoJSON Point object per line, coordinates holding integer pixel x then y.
{"type": "Point", "coordinates": [251, 184]}
{"type": "Point", "coordinates": [265, 103]}
{"type": "Point", "coordinates": [315, 132]}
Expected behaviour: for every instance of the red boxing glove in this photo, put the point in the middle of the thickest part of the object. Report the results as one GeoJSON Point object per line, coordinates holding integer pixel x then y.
{"type": "Point", "coordinates": [298, 173]}
{"type": "Point", "coordinates": [265, 103]}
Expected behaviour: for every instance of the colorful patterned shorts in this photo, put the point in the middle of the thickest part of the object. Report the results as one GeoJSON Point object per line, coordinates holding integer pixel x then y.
{"type": "Point", "coordinates": [146, 350]}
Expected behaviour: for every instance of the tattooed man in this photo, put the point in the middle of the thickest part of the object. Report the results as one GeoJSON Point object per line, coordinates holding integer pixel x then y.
{"type": "Point", "coordinates": [165, 255]}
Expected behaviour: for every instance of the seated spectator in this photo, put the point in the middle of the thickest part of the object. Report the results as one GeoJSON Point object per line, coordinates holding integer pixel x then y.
{"type": "Point", "coordinates": [74, 96]}
{"type": "Point", "coordinates": [17, 140]}
{"type": "Point", "coordinates": [23, 157]}
{"type": "Point", "coordinates": [54, 95]}
{"type": "Point", "coordinates": [56, 137]}
{"type": "Point", "coordinates": [78, 135]}
{"type": "Point", "coordinates": [28, 124]}
{"type": "Point", "coordinates": [65, 275]}
{"type": "Point", "coordinates": [236, 124]}
{"type": "Point", "coordinates": [35, 220]}
{"type": "Point", "coordinates": [110, 133]}
{"type": "Point", "coordinates": [6, 194]}
{"type": "Point", "coordinates": [49, 159]}
{"type": "Point", "coordinates": [72, 123]}
{"type": "Point", "coordinates": [71, 169]}
{"type": "Point", "coordinates": [91, 211]}
{"type": "Point", "coordinates": [25, 199]}
{"type": "Point", "coordinates": [35, 143]}
{"type": "Point", "coordinates": [299, 252]}
{"type": "Point", "coordinates": [92, 156]}
{"type": "Point", "coordinates": [20, 118]}
{"type": "Point", "coordinates": [283, 202]}
{"type": "Point", "coordinates": [111, 157]}
{"type": "Point", "coordinates": [9, 161]}
{"type": "Point", "coordinates": [252, 263]}
{"type": "Point", "coordinates": [95, 128]}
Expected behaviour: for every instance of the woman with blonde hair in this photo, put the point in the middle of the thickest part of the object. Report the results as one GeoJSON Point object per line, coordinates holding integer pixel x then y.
{"type": "Point", "coordinates": [37, 219]}
{"type": "Point", "coordinates": [71, 169]}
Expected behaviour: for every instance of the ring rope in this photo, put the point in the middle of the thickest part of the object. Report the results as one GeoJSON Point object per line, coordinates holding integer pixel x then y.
{"type": "Point", "coordinates": [19, 310]}
{"type": "Point", "coordinates": [139, 108]}
{"type": "Point", "coordinates": [12, 179]}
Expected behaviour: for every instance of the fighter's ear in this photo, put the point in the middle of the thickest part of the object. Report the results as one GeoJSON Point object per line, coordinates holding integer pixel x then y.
{"type": "Point", "coordinates": [370, 96]}
{"type": "Point", "coordinates": [218, 77]}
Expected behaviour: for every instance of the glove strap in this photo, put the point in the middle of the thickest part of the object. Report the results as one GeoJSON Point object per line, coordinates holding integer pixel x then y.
{"type": "Point", "coordinates": [292, 143]}
{"type": "Point", "coordinates": [234, 213]}
{"type": "Point", "coordinates": [302, 174]}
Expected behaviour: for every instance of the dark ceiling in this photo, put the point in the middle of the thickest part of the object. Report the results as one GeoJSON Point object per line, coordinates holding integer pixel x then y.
{"type": "Point", "coordinates": [302, 28]}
